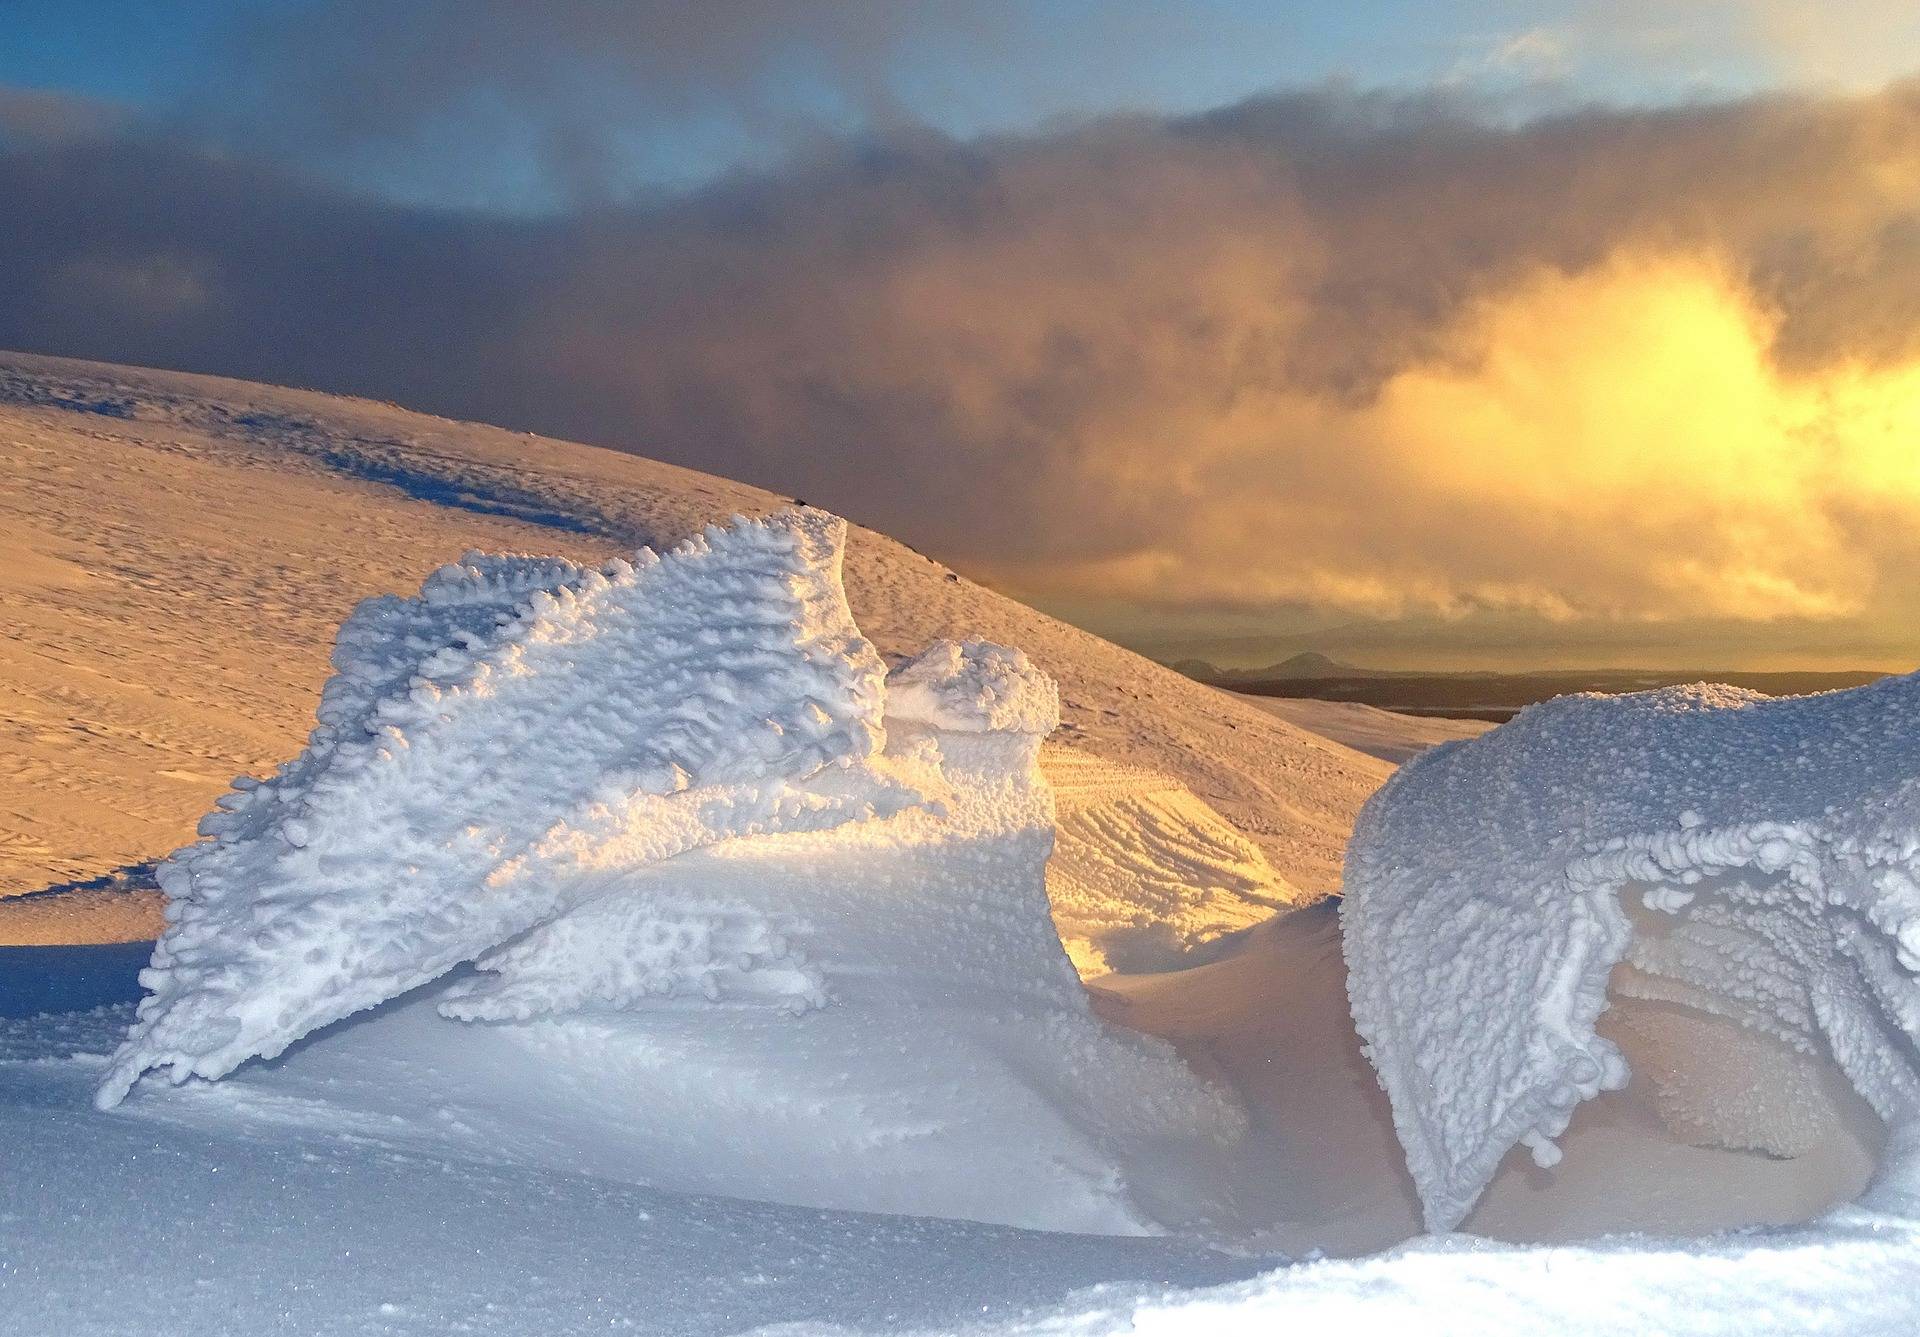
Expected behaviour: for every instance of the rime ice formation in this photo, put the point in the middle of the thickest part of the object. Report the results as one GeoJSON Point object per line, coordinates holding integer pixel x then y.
{"type": "Point", "coordinates": [492, 753]}
{"type": "Point", "coordinates": [1750, 858]}
{"type": "Point", "coordinates": [674, 822]}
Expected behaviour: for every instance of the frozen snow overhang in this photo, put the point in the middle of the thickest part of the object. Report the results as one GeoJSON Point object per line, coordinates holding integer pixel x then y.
{"type": "Point", "coordinates": [492, 753]}
{"type": "Point", "coordinates": [1769, 851]}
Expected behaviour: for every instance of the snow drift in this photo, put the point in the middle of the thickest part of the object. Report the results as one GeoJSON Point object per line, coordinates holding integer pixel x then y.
{"type": "Point", "coordinates": [1755, 860]}
{"type": "Point", "coordinates": [1145, 876]}
{"type": "Point", "coordinates": [711, 862]}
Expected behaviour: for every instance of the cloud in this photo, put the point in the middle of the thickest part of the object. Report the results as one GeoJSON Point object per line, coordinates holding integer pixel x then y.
{"type": "Point", "coordinates": [1612, 444]}
{"type": "Point", "coordinates": [37, 118]}
{"type": "Point", "coordinates": [1533, 56]}
{"type": "Point", "coordinates": [1369, 356]}
{"type": "Point", "coordinates": [583, 101]}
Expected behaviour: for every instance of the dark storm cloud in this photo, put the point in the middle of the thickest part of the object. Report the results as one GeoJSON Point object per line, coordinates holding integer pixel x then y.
{"type": "Point", "coordinates": [1358, 353]}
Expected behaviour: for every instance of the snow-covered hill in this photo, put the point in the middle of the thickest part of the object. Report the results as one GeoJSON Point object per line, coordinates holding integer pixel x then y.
{"type": "Point", "coordinates": [176, 551]}
{"type": "Point", "coordinates": [608, 885]}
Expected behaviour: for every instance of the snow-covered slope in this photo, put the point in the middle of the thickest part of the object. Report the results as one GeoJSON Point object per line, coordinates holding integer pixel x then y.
{"type": "Point", "coordinates": [1725, 857]}
{"type": "Point", "coordinates": [855, 998]}
{"type": "Point", "coordinates": [1146, 877]}
{"type": "Point", "coordinates": [176, 551]}
{"type": "Point", "coordinates": [1385, 734]}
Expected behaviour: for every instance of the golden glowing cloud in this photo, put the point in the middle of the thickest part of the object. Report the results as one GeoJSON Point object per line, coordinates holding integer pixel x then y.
{"type": "Point", "coordinates": [1322, 357]}
{"type": "Point", "coordinates": [1617, 442]}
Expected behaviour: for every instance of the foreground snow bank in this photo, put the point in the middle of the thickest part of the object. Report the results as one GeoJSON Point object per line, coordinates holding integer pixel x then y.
{"type": "Point", "coordinates": [1711, 851]}
{"type": "Point", "coordinates": [1854, 1275]}
{"type": "Point", "coordinates": [712, 863]}
{"type": "Point", "coordinates": [345, 1225]}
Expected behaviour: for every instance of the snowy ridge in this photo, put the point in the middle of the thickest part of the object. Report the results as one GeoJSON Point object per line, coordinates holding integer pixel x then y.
{"type": "Point", "coordinates": [197, 486]}
{"type": "Point", "coordinates": [1749, 858]}
{"type": "Point", "coordinates": [487, 752]}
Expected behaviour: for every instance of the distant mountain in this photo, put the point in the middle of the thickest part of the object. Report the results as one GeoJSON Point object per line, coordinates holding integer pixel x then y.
{"type": "Point", "coordinates": [1310, 664]}
{"type": "Point", "coordinates": [1199, 670]}
{"type": "Point", "coordinates": [1305, 665]}
{"type": "Point", "coordinates": [1482, 694]}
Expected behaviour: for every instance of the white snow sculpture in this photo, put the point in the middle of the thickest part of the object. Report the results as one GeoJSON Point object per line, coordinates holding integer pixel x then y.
{"type": "Point", "coordinates": [713, 864]}
{"type": "Point", "coordinates": [498, 750]}
{"type": "Point", "coordinates": [1752, 858]}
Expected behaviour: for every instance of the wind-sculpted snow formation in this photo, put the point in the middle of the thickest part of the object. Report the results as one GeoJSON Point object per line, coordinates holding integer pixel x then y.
{"type": "Point", "coordinates": [712, 861]}
{"type": "Point", "coordinates": [1753, 859]}
{"type": "Point", "coordinates": [489, 753]}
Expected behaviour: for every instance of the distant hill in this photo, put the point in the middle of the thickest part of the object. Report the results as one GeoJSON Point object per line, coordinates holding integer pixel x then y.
{"type": "Point", "coordinates": [1477, 694]}
{"type": "Point", "coordinates": [1306, 664]}
{"type": "Point", "coordinates": [1312, 664]}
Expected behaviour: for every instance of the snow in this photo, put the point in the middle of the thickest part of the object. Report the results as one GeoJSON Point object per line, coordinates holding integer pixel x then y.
{"type": "Point", "coordinates": [256, 1218]}
{"type": "Point", "coordinates": [123, 906]}
{"type": "Point", "coordinates": [1385, 734]}
{"type": "Point", "coordinates": [489, 755]}
{"type": "Point", "coordinates": [678, 782]}
{"type": "Point", "coordinates": [191, 1212]}
{"type": "Point", "coordinates": [1144, 876]}
{"type": "Point", "coordinates": [974, 687]}
{"type": "Point", "coordinates": [1704, 849]}
{"type": "Point", "coordinates": [699, 995]}
{"type": "Point", "coordinates": [177, 552]}
{"type": "Point", "coordinates": [1855, 1275]}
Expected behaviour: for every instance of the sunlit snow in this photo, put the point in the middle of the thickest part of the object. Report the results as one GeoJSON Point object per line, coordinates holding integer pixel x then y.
{"type": "Point", "coordinates": [629, 930]}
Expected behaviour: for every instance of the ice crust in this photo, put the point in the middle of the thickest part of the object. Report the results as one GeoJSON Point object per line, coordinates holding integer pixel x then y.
{"type": "Point", "coordinates": [496, 751]}
{"type": "Point", "coordinates": [1752, 858]}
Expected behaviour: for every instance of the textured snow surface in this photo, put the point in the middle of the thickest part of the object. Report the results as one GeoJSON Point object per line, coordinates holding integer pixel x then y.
{"type": "Point", "coordinates": [666, 810]}
{"type": "Point", "coordinates": [489, 753]}
{"type": "Point", "coordinates": [1748, 858]}
{"type": "Point", "coordinates": [1146, 877]}
{"type": "Point", "coordinates": [974, 687]}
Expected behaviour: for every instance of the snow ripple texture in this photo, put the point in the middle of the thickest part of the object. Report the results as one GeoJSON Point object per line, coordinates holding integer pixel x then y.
{"type": "Point", "coordinates": [1756, 859]}
{"type": "Point", "coordinates": [496, 751]}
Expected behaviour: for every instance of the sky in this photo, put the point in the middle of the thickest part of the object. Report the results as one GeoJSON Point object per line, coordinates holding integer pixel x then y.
{"type": "Point", "coordinates": [1425, 334]}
